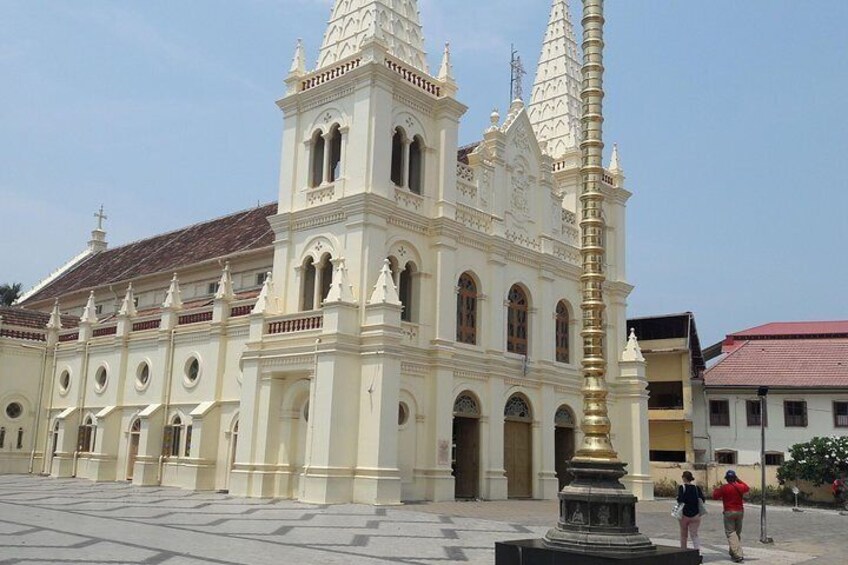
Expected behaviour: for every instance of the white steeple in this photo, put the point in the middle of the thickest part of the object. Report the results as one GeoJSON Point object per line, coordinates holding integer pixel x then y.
{"type": "Point", "coordinates": [394, 23]}
{"type": "Point", "coordinates": [128, 305]}
{"type": "Point", "coordinates": [555, 106]}
{"type": "Point", "coordinates": [384, 290]}
{"type": "Point", "coordinates": [615, 165]}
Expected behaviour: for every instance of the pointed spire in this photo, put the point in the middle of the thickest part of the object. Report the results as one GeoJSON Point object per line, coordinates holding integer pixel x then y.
{"type": "Point", "coordinates": [89, 313]}
{"type": "Point", "coordinates": [55, 321]}
{"type": "Point", "coordinates": [173, 300]}
{"type": "Point", "coordinates": [615, 165]}
{"type": "Point", "coordinates": [264, 303]}
{"type": "Point", "coordinates": [354, 23]}
{"type": "Point", "coordinates": [632, 351]}
{"type": "Point", "coordinates": [385, 291]}
{"type": "Point", "coordinates": [128, 305]}
{"type": "Point", "coordinates": [555, 108]}
{"type": "Point", "coordinates": [446, 70]}
{"type": "Point", "coordinates": [225, 285]}
{"type": "Point", "coordinates": [340, 289]}
{"type": "Point", "coordinates": [298, 66]}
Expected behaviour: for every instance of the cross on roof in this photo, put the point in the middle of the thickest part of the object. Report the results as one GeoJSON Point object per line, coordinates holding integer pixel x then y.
{"type": "Point", "coordinates": [100, 217]}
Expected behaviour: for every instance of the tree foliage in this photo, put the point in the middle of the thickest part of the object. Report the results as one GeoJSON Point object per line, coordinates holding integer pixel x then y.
{"type": "Point", "coordinates": [818, 461]}
{"type": "Point", "coordinates": [9, 293]}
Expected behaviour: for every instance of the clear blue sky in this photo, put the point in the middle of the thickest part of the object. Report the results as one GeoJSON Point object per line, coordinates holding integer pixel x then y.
{"type": "Point", "coordinates": [730, 117]}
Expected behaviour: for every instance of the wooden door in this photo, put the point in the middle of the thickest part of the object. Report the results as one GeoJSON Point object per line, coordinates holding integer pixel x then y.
{"type": "Point", "coordinates": [133, 454]}
{"type": "Point", "coordinates": [518, 459]}
{"type": "Point", "coordinates": [563, 452]}
{"type": "Point", "coordinates": [466, 457]}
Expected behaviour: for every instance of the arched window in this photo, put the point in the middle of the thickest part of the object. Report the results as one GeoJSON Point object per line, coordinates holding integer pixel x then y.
{"type": "Point", "coordinates": [317, 169]}
{"type": "Point", "coordinates": [2, 437]}
{"type": "Point", "coordinates": [516, 323]}
{"type": "Point", "coordinates": [561, 332]}
{"type": "Point", "coordinates": [416, 165]}
{"type": "Point", "coordinates": [172, 437]}
{"type": "Point", "coordinates": [335, 148]}
{"type": "Point", "coordinates": [466, 310]}
{"type": "Point", "coordinates": [564, 417]}
{"type": "Point", "coordinates": [308, 292]}
{"type": "Point", "coordinates": [466, 405]}
{"type": "Point", "coordinates": [405, 282]}
{"type": "Point", "coordinates": [397, 157]}
{"type": "Point", "coordinates": [325, 274]}
{"type": "Point", "coordinates": [20, 443]}
{"type": "Point", "coordinates": [86, 436]}
{"type": "Point", "coordinates": [517, 408]}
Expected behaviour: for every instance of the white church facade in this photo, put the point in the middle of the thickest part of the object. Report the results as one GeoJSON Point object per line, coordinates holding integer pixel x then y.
{"type": "Point", "coordinates": [403, 324]}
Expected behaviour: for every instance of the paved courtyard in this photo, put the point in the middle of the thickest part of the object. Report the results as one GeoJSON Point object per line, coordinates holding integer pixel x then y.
{"type": "Point", "coordinates": [46, 520]}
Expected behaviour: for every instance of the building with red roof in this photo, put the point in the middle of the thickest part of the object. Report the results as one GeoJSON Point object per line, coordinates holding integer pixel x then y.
{"type": "Point", "coordinates": [804, 366]}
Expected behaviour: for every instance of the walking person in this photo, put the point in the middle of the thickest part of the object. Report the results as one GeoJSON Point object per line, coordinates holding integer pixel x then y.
{"type": "Point", "coordinates": [689, 494]}
{"type": "Point", "coordinates": [731, 496]}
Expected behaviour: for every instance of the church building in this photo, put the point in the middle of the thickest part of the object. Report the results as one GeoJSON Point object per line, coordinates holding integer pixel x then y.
{"type": "Point", "coordinates": [403, 324]}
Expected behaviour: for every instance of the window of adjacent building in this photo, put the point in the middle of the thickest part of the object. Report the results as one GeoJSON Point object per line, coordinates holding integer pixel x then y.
{"type": "Point", "coordinates": [795, 413]}
{"type": "Point", "coordinates": [665, 395]}
{"type": "Point", "coordinates": [98, 309]}
{"type": "Point", "coordinates": [517, 321]}
{"type": "Point", "coordinates": [317, 168]}
{"type": "Point", "coordinates": [719, 413]}
{"type": "Point", "coordinates": [725, 457]}
{"type": "Point", "coordinates": [840, 414]}
{"type": "Point", "coordinates": [212, 288]}
{"type": "Point", "coordinates": [752, 412]}
{"type": "Point", "coordinates": [466, 310]}
{"type": "Point", "coordinates": [397, 157]}
{"type": "Point", "coordinates": [667, 456]}
{"type": "Point", "coordinates": [100, 378]}
{"type": "Point", "coordinates": [416, 165]}
{"type": "Point", "coordinates": [86, 436]}
{"type": "Point", "coordinates": [260, 278]}
{"type": "Point", "coordinates": [14, 410]}
{"type": "Point", "coordinates": [774, 458]}
{"type": "Point", "coordinates": [561, 332]}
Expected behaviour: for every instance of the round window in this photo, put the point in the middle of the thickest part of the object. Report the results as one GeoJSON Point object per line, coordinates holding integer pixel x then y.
{"type": "Point", "coordinates": [14, 410]}
{"type": "Point", "coordinates": [100, 378]}
{"type": "Point", "coordinates": [143, 375]}
{"type": "Point", "coordinates": [192, 370]}
{"type": "Point", "coordinates": [403, 413]}
{"type": "Point", "coordinates": [64, 381]}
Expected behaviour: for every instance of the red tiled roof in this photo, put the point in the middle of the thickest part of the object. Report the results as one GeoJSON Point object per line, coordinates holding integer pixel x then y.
{"type": "Point", "coordinates": [795, 329]}
{"type": "Point", "coordinates": [243, 231]}
{"type": "Point", "coordinates": [801, 363]}
{"type": "Point", "coordinates": [19, 317]}
{"type": "Point", "coordinates": [463, 152]}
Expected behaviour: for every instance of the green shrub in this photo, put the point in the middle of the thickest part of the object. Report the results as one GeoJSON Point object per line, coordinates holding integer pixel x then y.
{"type": "Point", "coordinates": [774, 494]}
{"type": "Point", "coordinates": [665, 488]}
{"type": "Point", "coordinates": [817, 461]}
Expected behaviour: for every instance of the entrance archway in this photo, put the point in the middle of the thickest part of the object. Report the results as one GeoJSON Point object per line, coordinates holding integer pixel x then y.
{"type": "Point", "coordinates": [132, 454]}
{"type": "Point", "coordinates": [564, 424]}
{"type": "Point", "coordinates": [465, 452]}
{"type": "Point", "coordinates": [518, 447]}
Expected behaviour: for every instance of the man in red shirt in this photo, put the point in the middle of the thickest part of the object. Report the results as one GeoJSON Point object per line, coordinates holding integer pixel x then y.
{"type": "Point", "coordinates": [731, 496]}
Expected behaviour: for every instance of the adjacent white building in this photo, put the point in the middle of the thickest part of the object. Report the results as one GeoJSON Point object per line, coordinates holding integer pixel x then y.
{"type": "Point", "coordinates": [403, 324]}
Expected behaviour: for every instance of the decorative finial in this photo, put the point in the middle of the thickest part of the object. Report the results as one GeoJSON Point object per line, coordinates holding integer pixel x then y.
{"type": "Point", "coordinates": [385, 291]}
{"type": "Point", "coordinates": [446, 70]}
{"type": "Point", "coordinates": [495, 118]}
{"type": "Point", "coordinates": [55, 321]}
{"type": "Point", "coordinates": [265, 301]}
{"type": "Point", "coordinates": [173, 300]}
{"type": "Point", "coordinates": [340, 290]}
{"type": "Point", "coordinates": [298, 66]}
{"type": "Point", "coordinates": [128, 305]}
{"type": "Point", "coordinates": [225, 285]}
{"type": "Point", "coordinates": [632, 351]}
{"type": "Point", "coordinates": [89, 313]}
{"type": "Point", "coordinates": [615, 165]}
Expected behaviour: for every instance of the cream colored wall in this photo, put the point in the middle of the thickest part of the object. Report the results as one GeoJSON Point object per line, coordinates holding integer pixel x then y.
{"type": "Point", "coordinates": [20, 369]}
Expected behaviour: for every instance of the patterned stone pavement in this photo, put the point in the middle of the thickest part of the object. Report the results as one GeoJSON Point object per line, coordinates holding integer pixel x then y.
{"type": "Point", "coordinates": [46, 520]}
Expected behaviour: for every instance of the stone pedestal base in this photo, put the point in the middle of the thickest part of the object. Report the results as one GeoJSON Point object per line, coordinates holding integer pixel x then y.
{"type": "Point", "coordinates": [537, 552]}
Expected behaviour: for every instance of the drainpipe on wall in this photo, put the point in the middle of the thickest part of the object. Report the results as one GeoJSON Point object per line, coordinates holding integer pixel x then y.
{"type": "Point", "coordinates": [168, 383]}
{"type": "Point", "coordinates": [50, 410]}
{"type": "Point", "coordinates": [38, 407]}
{"type": "Point", "coordinates": [81, 402]}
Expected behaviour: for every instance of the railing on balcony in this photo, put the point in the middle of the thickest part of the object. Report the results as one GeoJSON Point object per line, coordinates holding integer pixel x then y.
{"type": "Point", "coordinates": [22, 334]}
{"type": "Point", "coordinates": [301, 322]}
{"type": "Point", "coordinates": [194, 318]}
{"type": "Point", "coordinates": [69, 337]}
{"type": "Point", "coordinates": [109, 330]}
{"type": "Point", "coordinates": [146, 325]}
{"type": "Point", "coordinates": [242, 310]}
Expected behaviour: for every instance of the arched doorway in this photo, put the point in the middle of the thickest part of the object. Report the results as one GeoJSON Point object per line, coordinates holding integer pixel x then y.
{"type": "Point", "coordinates": [231, 460]}
{"type": "Point", "coordinates": [518, 447]}
{"type": "Point", "coordinates": [132, 455]}
{"type": "Point", "coordinates": [564, 424]}
{"type": "Point", "coordinates": [465, 452]}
